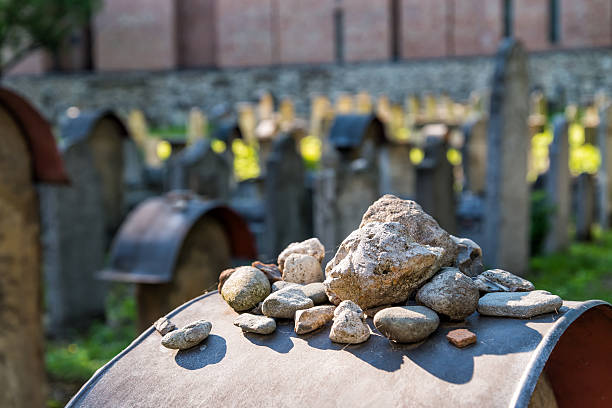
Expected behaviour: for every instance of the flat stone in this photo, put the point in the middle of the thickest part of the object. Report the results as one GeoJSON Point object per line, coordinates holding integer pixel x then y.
{"type": "Point", "coordinates": [272, 271]}
{"type": "Point", "coordinates": [278, 285]}
{"type": "Point", "coordinates": [349, 305]}
{"type": "Point", "coordinates": [250, 323]}
{"type": "Point", "coordinates": [498, 280]}
{"type": "Point", "coordinates": [450, 293]}
{"type": "Point", "coordinates": [469, 256]}
{"type": "Point", "coordinates": [187, 337]}
{"type": "Point", "coordinates": [406, 324]}
{"type": "Point", "coordinates": [421, 227]}
{"type": "Point", "coordinates": [308, 320]}
{"type": "Point", "coordinates": [461, 337]}
{"type": "Point", "coordinates": [316, 291]}
{"type": "Point", "coordinates": [379, 264]}
{"type": "Point", "coordinates": [312, 247]}
{"type": "Point", "coordinates": [349, 328]}
{"type": "Point", "coordinates": [284, 303]}
{"type": "Point", "coordinates": [164, 326]}
{"type": "Point", "coordinates": [302, 269]}
{"type": "Point", "coordinates": [245, 288]}
{"type": "Point", "coordinates": [522, 305]}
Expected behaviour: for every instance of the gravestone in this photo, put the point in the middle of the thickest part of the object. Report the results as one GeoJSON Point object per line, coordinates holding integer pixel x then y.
{"type": "Point", "coordinates": [584, 205]}
{"type": "Point", "coordinates": [506, 243]}
{"type": "Point", "coordinates": [80, 220]}
{"type": "Point", "coordinates": [27, 155]}
{"type": "Point", "coordinates": [398, 174]}
{"type": "Point", "coordinates": [557, 185]}
{"type": "Point", "coordinates": [349, 181]}
{"type": "Point", "coordinates": [474, 151]}
{"type": "Point", "coordinates": [197, 126]}
{"type": "Point", "coordinates": [285, 199]}
{"type": "Point", "coordinates": [434, 185]}
{"type": "Point", "coordinates": [604, 175]}
{"type": "Point", "coordinates": [174, 248]}
{"type": "Point", "coordinates": [200, 169]}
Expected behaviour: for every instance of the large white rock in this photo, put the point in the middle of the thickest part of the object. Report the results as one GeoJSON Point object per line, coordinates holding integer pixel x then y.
{"type": "Point", "coordinates": [379, 264]}
{"type": "Point", "coordinates": [421, 227]}
{"type": "Point", "coordinates": [302, 269]}
{"type": "Point", "coordinates": [312, 247]}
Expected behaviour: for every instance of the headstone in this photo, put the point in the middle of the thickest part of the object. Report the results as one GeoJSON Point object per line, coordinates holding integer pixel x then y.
{"type": "Point", "coordinates": [27, 154]}
{"type": "Point", "coordinates": [604, 175]}
{"type": "Point", "coordinates": [201, 170]}
{"type": "Point", "coordinates": [174, 247]}
{"type": "Point", "coordinates": [197, 125]}
{"type": "Point", "coordinates": [557, 187]}
{"type": "Point", "coordinates": [349, 181]}
{"type": "Point", "coordinates": [398, 174]}
{"type": "Point", "coordinates": [79, 220]}
{"type": "Point", "coordinates": [434, 184]}
{"type": "Point", "coordinates": [363, 102]}
{"type": "Point", "coordinates": [285, 199]}
{"type": "Point", "coordinates": [474, 152]}
{"type": "Point", "coordinates": [344, 104]}
{"type": "Point", "coordinates": [584, 206]}
{"type": "Point", "coordinates": [506, 243]}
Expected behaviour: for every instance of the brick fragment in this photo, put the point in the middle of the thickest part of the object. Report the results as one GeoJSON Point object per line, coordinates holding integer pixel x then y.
{"type": "Point", "coordinates": [461, 337]}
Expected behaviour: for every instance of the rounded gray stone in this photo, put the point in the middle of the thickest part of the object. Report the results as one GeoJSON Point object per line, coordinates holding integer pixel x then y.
{"type": "Point", "coordinates": [316, 291]}
{"type": "Point", "coordinates": [450, 293]}
{"type": "Point", "coordinates": [188, 336]}
{"type": "Point", "coordinates": [250, 323]}
{"type": "Point", "coordinates": [284, 303]}
{"type": "Point", "coordinates": [406, 324]}
{"type": "Point", "coordinates": [245, 288]}
{"type": "Point", "coordinates": [278, 285]}
{"type": "Point", "coordinates": [522, 305]}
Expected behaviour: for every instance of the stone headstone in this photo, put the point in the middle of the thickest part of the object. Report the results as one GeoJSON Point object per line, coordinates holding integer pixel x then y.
{"type": "Point", "coordinates": [80, 220]}
{"type": "Point", "coordinates": [27, 154]}
{"type": "Point", "coordinates": [197, 126]}
{"type": "Point", "coordinates": [604, 175]}
{"type": "Point", "coordinates": [475, 154]}
{"type": "Point", "coordinates": [398, 174]}
{"type": "Point", "coordinates": [285, 197]}
{"type": "Point", "coordinates": [506, 243]}
{"type": "Point", "coordinates": [557, 186]}
{"type": "Point", "coordinates": [434, 184]}
{"type": "Point", "coordinates": [584, 205]}
{"type": "Point", "coordinates": [200, 169]}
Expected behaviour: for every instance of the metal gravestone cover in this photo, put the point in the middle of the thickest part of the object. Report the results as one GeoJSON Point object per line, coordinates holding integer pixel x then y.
{"type": "Point", "coordinates": [506, 242]}
{"type": "Point", "coordinates": [558, 186]}
{"type": "Point", "coordinates": [79, 220]}
{"type": "Point", "coordinates": [285, 196]}
{"type": "Point", "coordinates": [175, 247]}
{"type": "Point", "coordinates": [200, 169]}
{"type": "Point", "coordinates": [500, 370]}
{"type": "Point", "coordinates": [27, 154]}
{"type": "Point", "coordinates": [350, 182]}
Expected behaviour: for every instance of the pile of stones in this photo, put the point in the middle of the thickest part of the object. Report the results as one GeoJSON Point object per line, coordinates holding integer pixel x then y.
{"type": "Point", "coordinates": [399, 268]}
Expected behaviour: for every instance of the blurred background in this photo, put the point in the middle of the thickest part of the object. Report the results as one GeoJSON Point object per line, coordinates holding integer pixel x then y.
{"type": "Point", "coordinates": [166, 140]}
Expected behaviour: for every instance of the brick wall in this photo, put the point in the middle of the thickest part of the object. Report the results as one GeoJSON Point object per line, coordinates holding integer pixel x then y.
{"type": "Point", "coordinates": [586, 23]}
{"type": "Point", "coordinates": [532, 23]}
{"type": "Point", "coordinates": [477, 27]}
{"type": "Point", "coordinates": [366, 30]}
{"type": "Point", "coordinates": [196, 33]}
{"type": "Point", "coordinates": [135, 34]}
{"type": "Point", "coordinates": [424, 28]}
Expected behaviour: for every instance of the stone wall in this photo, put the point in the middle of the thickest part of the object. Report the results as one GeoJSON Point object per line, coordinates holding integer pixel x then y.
{"type": "Point", "coordinates": [166, 97]}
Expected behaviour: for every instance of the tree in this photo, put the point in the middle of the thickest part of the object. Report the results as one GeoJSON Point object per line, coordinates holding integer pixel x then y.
{"type": "Point", "coordinates": [27, 25]}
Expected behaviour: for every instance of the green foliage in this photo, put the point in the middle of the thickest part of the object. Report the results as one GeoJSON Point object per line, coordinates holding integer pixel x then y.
{"type": "Point", "coordinates": [583, 272]}
{"type": "Point", "coordinates": [29, 24]}
{"type": "Point", "coordinates": [541, 211]}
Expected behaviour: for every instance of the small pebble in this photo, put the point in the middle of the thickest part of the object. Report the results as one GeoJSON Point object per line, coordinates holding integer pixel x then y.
{"type": "Point", "coordinates": [406, 324]}
{"type": "Point", "coordinates": [349, 328]}
{"type": "Point", "coordinates": [250, 323]}
{"type": "Point", "coordinates": [302, 269]}
{"type": "Point", "coordinates": [278, 285]}
{"type": "Point", "coordinates": [187, 337]}
{"type": "Point", "coordinates": [284, 303]}
{"type": "Point", "coordinates": [461, 337]}
{"type": "Point", "coordinates": [308, 320]}
{"type": "Point", "coordinates": [498, 280]}
{"type": "Point", "coordinates": [316, 291]}
{"type": "Point", "coordinates": [164, 326]}
{"type": "Point", "coordinates": [349, 305]}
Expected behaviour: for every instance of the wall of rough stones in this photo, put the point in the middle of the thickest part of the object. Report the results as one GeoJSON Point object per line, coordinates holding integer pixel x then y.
{"type": "Point", "coordinates": [166, 97]}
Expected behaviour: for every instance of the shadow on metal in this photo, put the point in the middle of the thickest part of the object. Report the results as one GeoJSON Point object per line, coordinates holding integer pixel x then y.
{"type": "Point", "coordinates": [350, 131]}
{"type": "Point", "coordinates": [283, 369]}
{"type": "Point", "coordinates": [76, 129]}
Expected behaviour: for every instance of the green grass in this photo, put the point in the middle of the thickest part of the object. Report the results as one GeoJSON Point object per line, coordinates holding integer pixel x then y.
{"type": "Point", "coordinates": [583, 272]}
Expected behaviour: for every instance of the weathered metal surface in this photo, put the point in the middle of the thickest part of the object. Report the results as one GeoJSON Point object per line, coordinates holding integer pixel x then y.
{"type": "Point", "coordinates": [76, 129]}
{"type": "Point", "coordinates": [350, 131]}
{"type": "Point", "coordinates": [148, 243]}
{"type": "Point", "coordinates": [47, 162]}
{"type": "Point", "coordinates": [235, 369]}
{"type": "Point", "coordinates": [227, 131]}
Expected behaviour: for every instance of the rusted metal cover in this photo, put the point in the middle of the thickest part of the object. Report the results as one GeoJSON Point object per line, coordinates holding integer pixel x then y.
{"type": "Point", "coordinates": [349, 131]}
{"type": "Point", "coordinates": [74, 130]}
{"type": "Point", "coordinates": [148, 243]}
{"type": "Point", "coordinates": [235, 369]}
{"type": "Point", "coordinates": [227, 131]}
{"type": "Point", "coordinates": [48, 165]}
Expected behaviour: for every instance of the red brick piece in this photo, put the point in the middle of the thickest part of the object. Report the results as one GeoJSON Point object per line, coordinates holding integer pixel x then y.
{"type": "Point", "coordinates": [461, 337]}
